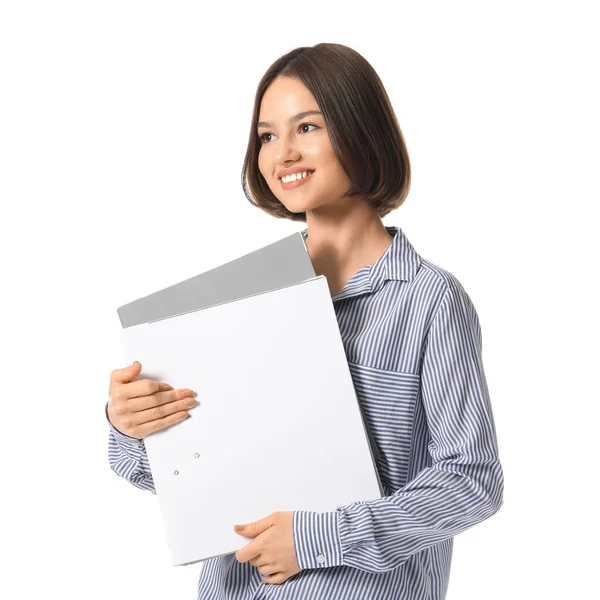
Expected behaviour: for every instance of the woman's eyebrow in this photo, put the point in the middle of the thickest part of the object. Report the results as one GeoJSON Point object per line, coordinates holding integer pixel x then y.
{"type": "Point", "coordinates": [291, 119]}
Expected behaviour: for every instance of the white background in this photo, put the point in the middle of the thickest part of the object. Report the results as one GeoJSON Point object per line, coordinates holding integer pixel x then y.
{"type": "Point", "coordinates": [123, 127]}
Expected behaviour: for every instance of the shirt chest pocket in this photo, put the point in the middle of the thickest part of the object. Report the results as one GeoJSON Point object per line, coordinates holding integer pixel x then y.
{"type": "Point", "coordinates": [387, 400]}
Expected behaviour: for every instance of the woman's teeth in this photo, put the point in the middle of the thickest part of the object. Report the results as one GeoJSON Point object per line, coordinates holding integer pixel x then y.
{"type": "Point", "coordinates": [295, 176]}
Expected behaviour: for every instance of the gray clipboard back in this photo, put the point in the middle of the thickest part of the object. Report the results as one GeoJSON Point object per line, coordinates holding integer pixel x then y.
{"type": "Point", "coordinates": [282, 263]}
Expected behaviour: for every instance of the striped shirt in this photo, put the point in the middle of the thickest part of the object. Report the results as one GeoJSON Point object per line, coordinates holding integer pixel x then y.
{"type": "Point", "coordinates": [413, 343]}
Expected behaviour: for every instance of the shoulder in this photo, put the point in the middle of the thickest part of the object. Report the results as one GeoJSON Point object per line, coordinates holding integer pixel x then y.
{"type": "Point", "coordinates": [435, 284]}
{"type": "Point", "coordinates": [451, 307]}
{"type": "Point", "coordinates": [429, 282]}
{"type": "Point", "coordinates": [439, 277]}
{"type": "Point", "coordinates": [431, 287]}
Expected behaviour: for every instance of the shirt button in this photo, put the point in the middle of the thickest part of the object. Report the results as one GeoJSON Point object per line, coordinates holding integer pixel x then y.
{"type": "Point", "coordinates": [320, 559]}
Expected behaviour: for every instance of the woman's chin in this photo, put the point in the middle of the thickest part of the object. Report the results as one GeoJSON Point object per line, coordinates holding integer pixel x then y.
{"type": "Point", "coordinates": [299, 206]}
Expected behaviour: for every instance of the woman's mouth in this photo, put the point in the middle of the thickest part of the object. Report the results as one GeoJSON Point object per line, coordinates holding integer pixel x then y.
{"type": "Point", "coordinates": [294, 184]}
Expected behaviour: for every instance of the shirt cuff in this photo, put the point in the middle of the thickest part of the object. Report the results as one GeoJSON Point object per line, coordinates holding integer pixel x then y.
{"type": "Point", "coordinates": [122, 438]}
{"type": "Point", "coordinates": [317, 539]}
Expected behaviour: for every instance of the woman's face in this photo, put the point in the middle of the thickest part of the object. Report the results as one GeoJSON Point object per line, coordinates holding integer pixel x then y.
{"type": "Point", "coordinates": [302, 144]}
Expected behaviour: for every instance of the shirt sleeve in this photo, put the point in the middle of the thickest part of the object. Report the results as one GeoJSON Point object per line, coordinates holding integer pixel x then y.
{"type": "Point", "coordinates": [127, 457]}
{"type": "Point", "coordinates": [464, 484]}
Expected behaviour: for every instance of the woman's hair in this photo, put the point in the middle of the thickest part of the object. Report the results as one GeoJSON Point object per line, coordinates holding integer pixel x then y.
{"type": "Point", "coordinates": [361, 123]}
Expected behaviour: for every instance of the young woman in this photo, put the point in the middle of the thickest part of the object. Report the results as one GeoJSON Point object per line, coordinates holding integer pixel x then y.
{"type": "Point", "coordinates": [412, 339]}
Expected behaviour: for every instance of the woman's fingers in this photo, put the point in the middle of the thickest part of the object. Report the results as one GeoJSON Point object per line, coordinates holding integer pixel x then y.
{"type": "Point", "coordinates": [161, 404]}
{"type": "Point", "coordinates": [160, 410]}
{"type": "Point", "coordinates": [148, 427]}
{"type": "Point", "coordinates": [137, 408]}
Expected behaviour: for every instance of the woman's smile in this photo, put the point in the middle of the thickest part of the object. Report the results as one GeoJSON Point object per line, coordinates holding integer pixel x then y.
{"type": "Point", "coordinates": [294, 184]}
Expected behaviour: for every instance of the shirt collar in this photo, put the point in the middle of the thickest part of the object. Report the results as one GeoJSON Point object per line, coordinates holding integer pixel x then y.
{"type": "Point", "coordinates": [399, 262]}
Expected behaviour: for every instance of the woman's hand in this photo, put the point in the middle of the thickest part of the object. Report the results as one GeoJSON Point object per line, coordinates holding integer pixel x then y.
{"type": "Point", "coordinates": [272, 549]}
{"type": "Point", "coordinates": [138, 408]}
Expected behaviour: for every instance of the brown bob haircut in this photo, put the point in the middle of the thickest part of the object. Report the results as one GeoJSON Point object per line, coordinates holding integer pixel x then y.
{"type": "Point", "coordinates": [360, 121]}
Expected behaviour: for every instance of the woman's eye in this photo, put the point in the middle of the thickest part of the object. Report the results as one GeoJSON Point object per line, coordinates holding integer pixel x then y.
{"type": "Point", "coordinates": [306, 125]}
{"type": "Point", "coordinates": [262, 137]}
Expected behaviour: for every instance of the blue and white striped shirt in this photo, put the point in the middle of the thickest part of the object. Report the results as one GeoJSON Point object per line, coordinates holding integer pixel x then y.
{"type": "Point", "coordinates": [413, 343]}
